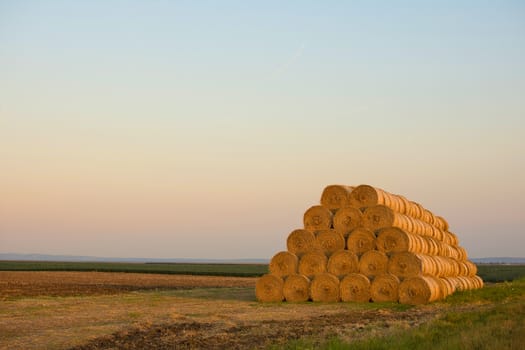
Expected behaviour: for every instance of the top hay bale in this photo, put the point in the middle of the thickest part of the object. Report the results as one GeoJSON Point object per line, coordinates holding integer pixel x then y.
{"type": "Point", "coordinates": [364, 196]}
{"type": "Point", "coordinates": [336, 196]}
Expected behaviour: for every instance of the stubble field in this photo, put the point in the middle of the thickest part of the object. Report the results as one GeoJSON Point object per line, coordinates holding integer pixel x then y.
{"type": "Point", "coordinates": [102, 310]}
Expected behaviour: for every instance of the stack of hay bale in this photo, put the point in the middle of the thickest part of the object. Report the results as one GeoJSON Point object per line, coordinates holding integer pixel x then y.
{"type": "Point", "coordinates": [365, 244]}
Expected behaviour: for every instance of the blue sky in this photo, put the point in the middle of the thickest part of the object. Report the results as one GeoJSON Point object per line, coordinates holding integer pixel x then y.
{"type": "Point", "coordinates": [189, 121]}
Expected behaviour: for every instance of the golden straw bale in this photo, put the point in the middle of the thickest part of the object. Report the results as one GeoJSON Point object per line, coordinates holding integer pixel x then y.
{"type": "Point", "coordinates": [396, 240]}
{"type": "Point", "coordinates": [342, 263]}
{"type": "Point", "coordinates": [380, 216]}
{"type": "Point", "coordinates": [296, 288]}
{"type": "Point", "coordinates": [336, 196]}
{"type": "Point", "coordinates": [301, 241]}
{"type": "Point", "coordinates": [471, 267]}
{"type": "Point", "coordinates": [462, 253]}
{"type": "Point", "coordinates": [450, 287]}
{"type": "Point", "coordinates": [317, 217]}
{"type": "Point", "coordinates": [419, 290]}
{"type": "Point", "coordinates": [407, 264]}
{"type": "Point", "coordinates": [312, 263]}
{"type": "Point", "coordinates": [463, 269]}
{"type": "Point", "coordinates": [453, 238]}
{"type": "Point", "coordinates": [325, 288]}
{"type": "Point", "coordinates": [384, 288]}
{"type": "Point", "coordinates": [479, 281]}
{"type": "Point", "coordinates": [449, 238]}
{"type": "Point", "coordinates": [284, 264]}
{"type": "Point", "coordinates": [269, 288]}
{"type": "Point", "coordinates": [465, 282]}
{"type": "Point", "coordinates": [440, 223]}
{"type": "Point", "coordinates": [365, 196]}
{"type": "Point", "coordinates": [330, 241]}
{"type": "Point", "coordinates": [355, 287]}
{"type": "Point", "coordinates": [347, 219]}
{"type": "Point", "coordinates": [361, 240]}
{"type": "Point", "coordinates": [446, 266]}
{"type": "Point", "coordinates": [373, 263]}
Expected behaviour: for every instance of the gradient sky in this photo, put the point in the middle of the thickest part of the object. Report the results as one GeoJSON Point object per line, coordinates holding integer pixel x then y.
{"type": "Point", "coordinates": [205, 129]}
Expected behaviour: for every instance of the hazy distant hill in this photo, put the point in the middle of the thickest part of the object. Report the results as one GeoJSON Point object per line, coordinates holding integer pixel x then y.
{"type": "Point", "coordinates": [501, 260]}
{"type": "Point", "coordinates": [44, 257]}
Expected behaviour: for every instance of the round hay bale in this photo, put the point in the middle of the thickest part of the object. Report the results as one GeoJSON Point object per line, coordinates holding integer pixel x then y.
{"type": "Point", "coordinates": [454, 241]}
{"type": "Point", "coordinates": [317, 217]}
{"type": "Point", "coordinates": [407, 264]}
{"type": "Point", "coordinates": [296, 288]}
{"type": "Point", "coordinates": [343, 262]}
{"type": "Point", "coordinates": [355, 287]}
{"type": "Point", "coordinates": [450, 287]}
{"type": "Point", "coordinates": [336, 196]}
{"type": "Point", "coordinates": [384, 288]}
{"type": "Point", "coordinates": [479, 281]}
{"type": "Point", "coordinates": [301, 241]}
{"type": "Point", "coordinates": [312, 263]}
{"type": "Point", "coordinates": [325, 288]}
{"type": "Point", "coordinates": [445, 266]}
{"type": "Point", "coordinates": [283, 264]}
{"type": "Point", "coordinates": [269, 288]}
{"type": "Point", "coordinates": [419, 290]}
{"type": "Point", "coordinates": [373, 263]}
{"type": "Point", "coordinates": [380, 216]}
{"type": "Point", "coordinates": [462, 252]}
{"type": "Point", "coordinates": [396, 240]}
{"type": "Point", "coordinates": [433, 246]}
{"type": "Point", "coordinates": [330, 241]}
{"type": "Point", "coordinates": [366, 196]}
{"type": "Point", "coordinates": [347, 219]}
{"type": "Point", "coordinates": [441, 223]}
{"type": "Point", "coordinates": [471, 267]}
{"type": "Point", "coordinates": [360, 241]}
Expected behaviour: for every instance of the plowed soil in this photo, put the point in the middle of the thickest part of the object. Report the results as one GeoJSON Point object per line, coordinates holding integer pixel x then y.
{"type": "Point", "coordinates": [30, 283]}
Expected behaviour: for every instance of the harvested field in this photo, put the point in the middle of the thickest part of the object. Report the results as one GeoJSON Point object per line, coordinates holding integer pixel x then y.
{"type": "Point", "coordinates": [45, 310]}
{"type": "Point", "coordinates": [34, 283]}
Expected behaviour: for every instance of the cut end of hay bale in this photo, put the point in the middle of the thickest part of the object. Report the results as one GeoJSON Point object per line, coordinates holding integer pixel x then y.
{"type": "Point", "coordinates": [406, 264]}
{"type": "Point", "coordinates": [336, 196]}
{"type": "Point", "coordinates": [296, 288]}
{"type": "Point", "coordinates": [343, 262]}
{"type": "Point", "coordinates": [361, 240]}
{"type": "Point", "coordinates": [325, 288]}
{"type": "Point", "coordinates": [317, 217]}
{"type": "Point", "coordinates": [355, 287]}
{"type": "Point", "coordinates": [330, 241]}
{"type": "Point", "coordinates": [419, 290]}
{"type": "Point", "coordinates": [373, 263]}
{"type": "Point", "coordinates": [346, 219]}
{"type": "Point", "coordinates": [365, 196]}
{"type": "Point", "coordinates": [312, 263]}
{"type": "Point", "coordinates": [301, 241]}
{"type": "Point", "coordinates": [378, 217]}
{"type": "Point", "coordinates": [269, 288]}
{"type": "Point", "coordinates": [283, 264]}
{"type": "Point", "coordinates": [393, 240]}
{"type": "Point", "coordinates": [384, 288]}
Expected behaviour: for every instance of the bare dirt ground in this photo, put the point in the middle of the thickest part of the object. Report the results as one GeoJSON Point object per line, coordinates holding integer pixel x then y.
{"type": "Point", "coordinates": [79, 310]}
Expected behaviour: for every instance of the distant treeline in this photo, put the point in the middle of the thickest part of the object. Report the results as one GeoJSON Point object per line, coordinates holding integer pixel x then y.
{"type": "Point", "coordinates": [238, 270]}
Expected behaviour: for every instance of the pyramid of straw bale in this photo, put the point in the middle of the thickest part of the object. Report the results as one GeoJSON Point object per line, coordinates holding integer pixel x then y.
{"type": "Point", "coordinates": [363, 244]}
